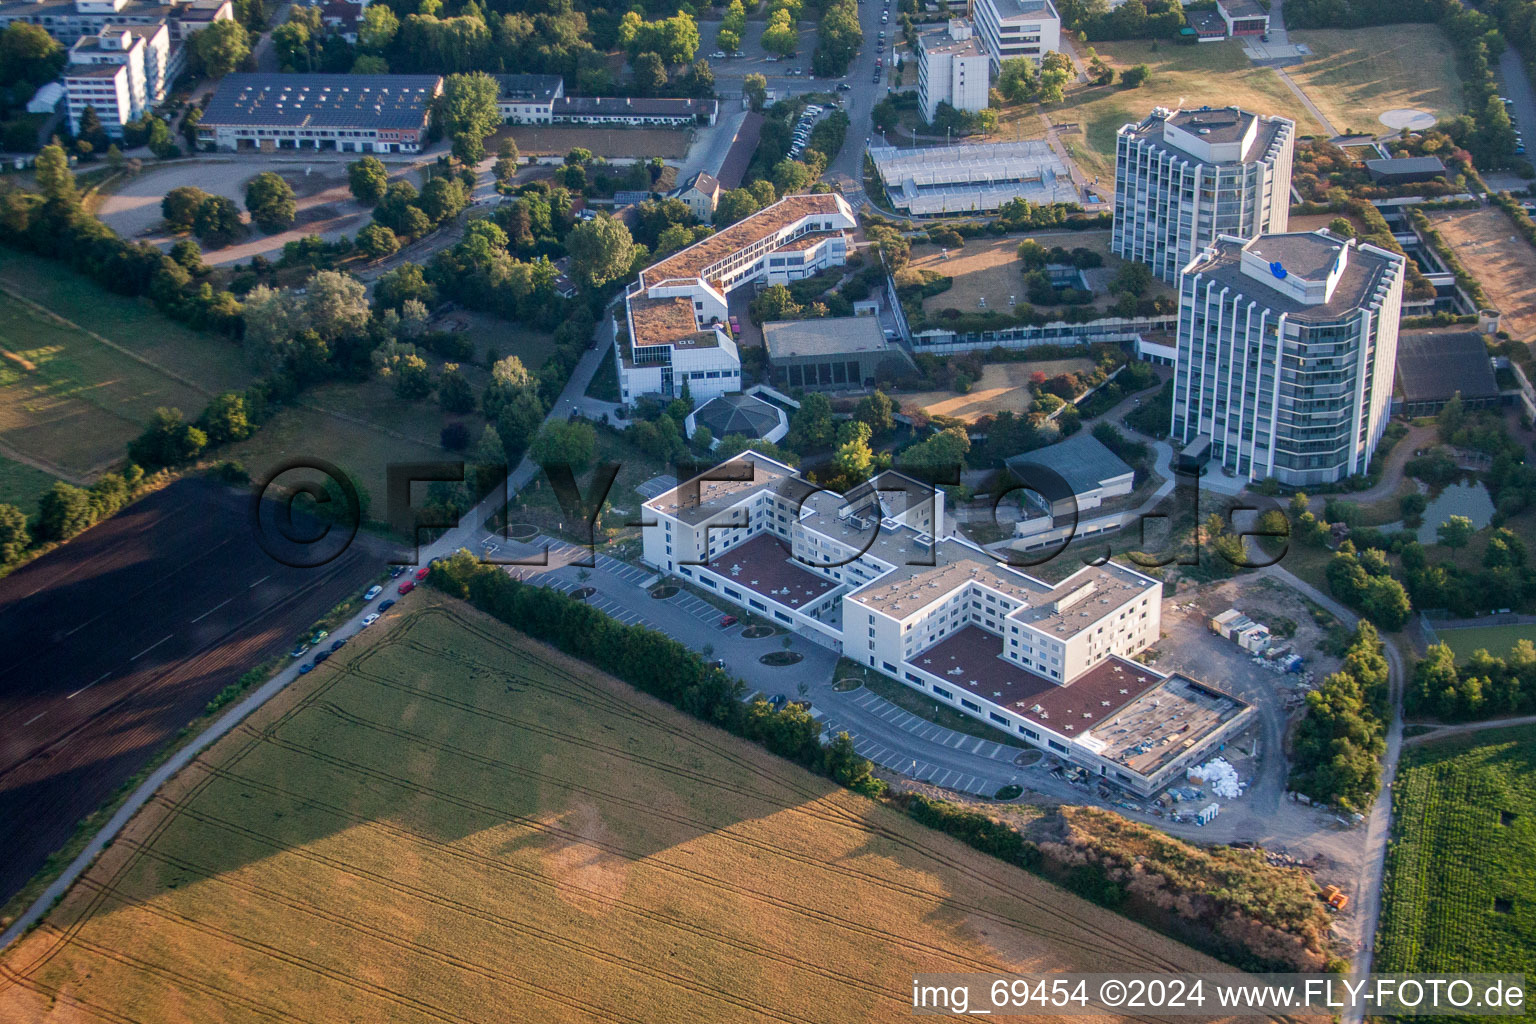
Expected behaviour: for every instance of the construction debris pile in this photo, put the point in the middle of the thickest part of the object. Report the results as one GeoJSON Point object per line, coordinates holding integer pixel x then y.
{"type": "Point", "coordinates": [1255, 638]}
{"type": "Point", "coordinates": [1219, 777]}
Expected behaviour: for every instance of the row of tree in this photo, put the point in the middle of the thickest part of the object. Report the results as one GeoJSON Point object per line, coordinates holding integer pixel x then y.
{"type": "Point", "coordinates": [1337, 748]}
{"type": "Point", "coordinates": [1485, 687]}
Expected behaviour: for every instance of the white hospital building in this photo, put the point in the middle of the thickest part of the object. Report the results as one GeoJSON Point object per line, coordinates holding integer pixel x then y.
{"type": "Point", "coordinates": [1183, 177]}
{"type": "Point", "coordinates": [876, 574]}
{"type": "Point", "coordinates": [676, 318]}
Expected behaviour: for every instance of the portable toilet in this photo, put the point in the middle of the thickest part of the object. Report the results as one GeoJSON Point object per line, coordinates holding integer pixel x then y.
{"type": "Point", "coordinates": [1207, 812]}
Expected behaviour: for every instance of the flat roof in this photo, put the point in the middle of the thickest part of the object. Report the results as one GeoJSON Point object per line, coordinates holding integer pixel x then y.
{"type": "Point", "coordinates": [766, 566]}
{"type": "Point", "coordinates": [1024, 8]}
{"type": "Point", "coordinates": [1242, 9]}
{"type": "Point", "coordinates": [527, 87]}
{"type": "Point", "coordinates": [697, 501]}
{"type": "Point", "coordinates": [1362, 275]}
{"type": "Point", "coordinates": [691, 262]}
{"type": "Point", "coordinates": [1214, 124]}
{"type": "Point", "coordinates": [329, 101]}
{"type": "Point", "coordinates": [621, 106]}
{"type": "Point", "coordinates": [1434, 365]}
{"type": "Point", "coordinates": [939, 40]}
{"type": "Point", "coordinates": [841, 335]}
{"type": "Point", "coordinates": [1082, 461]}
{"type": "Point", "coordinates": [972, 659]}
{"type": "Point", "coordinates": [1150, 130]}
{"type": "Point", "coordinates": [1164, 722]}
{"type": "Point", "coordinates": [1306, 254]}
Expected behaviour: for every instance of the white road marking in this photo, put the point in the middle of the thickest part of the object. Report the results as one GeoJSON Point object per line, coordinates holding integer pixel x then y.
{"type": "Point", "coordinates": [88, 685]}
{"type": "Point", "coordinates": [259, 582]}
{"type": "Point", "coordinates": [151, 647]}
{"type": "Point", "coordinates": [215, 608]}
{"type": "Point", "coordinates": [34, 718]}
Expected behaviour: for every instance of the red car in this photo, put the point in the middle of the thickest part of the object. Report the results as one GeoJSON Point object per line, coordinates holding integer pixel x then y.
{"type": "Point", "coordinates": [421, 573]}
{"type": "Point", "coordinates": [729, 620]}
{"type": "Point", "coordinates": [407, 587]}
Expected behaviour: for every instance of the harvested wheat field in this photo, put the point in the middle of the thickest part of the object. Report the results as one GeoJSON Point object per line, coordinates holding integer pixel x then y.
{"type": "Point", "coordinates": [1002, 386]}
{"type": "Point", "coordinates": [1500, 259]}
{"type": "Point", "coordinates": [452, 823]}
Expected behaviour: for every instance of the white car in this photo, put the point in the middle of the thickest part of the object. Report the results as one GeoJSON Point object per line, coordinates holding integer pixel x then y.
{"type": "Point", "coordinates": [717, 55]}
{"type": "Point", "coordinates": [373, 592]}
{"type": "Point", "coordinates": [370, 619]}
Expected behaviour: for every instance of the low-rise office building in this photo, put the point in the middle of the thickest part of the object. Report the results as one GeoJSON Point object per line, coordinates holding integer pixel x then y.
{"type": "Point", "coordinates": [838, 353]}
{"type": "Point", "coordinates": [1435, 366]}
{"type": "Point", "coordinates": [346, 113]}
{"type": "Point", "coordinates": [952, 67]}
{"type": "Point", "coordinates": [980, 178]}
{"type": "Point", "coordinates": [875, 574]}
{"type": "Point", "coordinates": [1243, 17]}
{"type": "Point", "coordinates": [1072, 476]}
{"type": "Point", "coordinates": [675, 314]}
{"type": "Point", "coordinates": [1017, 28]}
{"type": "Point", "coordinates": [1287, 345]}
{"type": "Point", "coordinates": [1183, 177]}
{"type": "Point", "coordinates": [631, 111]}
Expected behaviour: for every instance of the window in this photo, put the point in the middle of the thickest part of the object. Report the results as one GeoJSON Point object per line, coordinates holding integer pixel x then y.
{"type": "Point", "coordinates": [943, 693]}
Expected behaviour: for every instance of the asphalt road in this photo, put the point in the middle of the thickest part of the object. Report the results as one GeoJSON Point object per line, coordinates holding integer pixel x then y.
{"type": "Point", "coordinates": [113, 642]}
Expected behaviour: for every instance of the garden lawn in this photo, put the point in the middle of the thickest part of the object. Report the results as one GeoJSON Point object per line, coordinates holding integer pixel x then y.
{"type": "Point", "coordinates": [1355, 75]}
{"type": "Point", "coordinates": [1496, 640]}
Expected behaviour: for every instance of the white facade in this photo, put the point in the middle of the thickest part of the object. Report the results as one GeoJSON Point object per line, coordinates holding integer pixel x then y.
{"type": "Point", "coordinates": [69, 20]}
{"type": "Point", "coordinates": [675, 315]}
{"type": "Point", "coordinates": [1017, 28]}
{"type": "Point", "coordinates": [952, 67]}
{"type": "Point", "coordinates": [1287, 347]}
{"type": "Point", "coordinates": [876, 574]}
{"type": "Point", "coordinates": [1183, 177]}
{"type": "Point", "coordinates": [115, 73]}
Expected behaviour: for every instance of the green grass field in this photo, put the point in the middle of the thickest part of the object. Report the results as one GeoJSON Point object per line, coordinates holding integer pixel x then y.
{"type": "Point", "coordinates": [1461, 869]}
{"type": "Point", "coordinates": [1355, 75]}
{"type": "Point", "coordinates": [21, 485]}
{"type": "Point", "coordinates": [1214, 73]}
{"type": "Point", "coordinates": [1497, 640]}
{"type": "Point", "coordinates": [447, 822]}
{"type": "Point", "coordinates": [71, 400]}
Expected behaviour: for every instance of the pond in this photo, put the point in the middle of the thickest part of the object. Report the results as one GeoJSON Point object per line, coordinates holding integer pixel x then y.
{"type": "Point", "coordinates": [1470, 500]}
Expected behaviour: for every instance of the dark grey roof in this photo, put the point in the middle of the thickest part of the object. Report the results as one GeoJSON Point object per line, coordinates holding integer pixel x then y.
{"type": "Point", "coordinates": [737, 414]}
{"type": "Point", "coordinates": [826, 337]}
{"type": "Point", "coordinates": [1024, 8]}
{"type": "Point", "coordinates": [528, 87]}
{"type": "Point", "coordinates": [1406, 165]}
{"type": "Point", "coordinates": [625, 106]}
{"type": "Point", "coordinates": [1214, 124]}
{"type": "Point", "coordinates": [703, 181]}
{"type": "Point", "coordinates": [323, 101]}
{"type": "Point", "coordinates": [1205, 21]}
{"type": "Point", "coordinates": [1081, 461]}
{"type": "Point", "coordinates": [1242, 9]}
{"type": "Point", "coordinates": [1151, 130]}
{"type": "Point", "coordinates": [1432, 366]}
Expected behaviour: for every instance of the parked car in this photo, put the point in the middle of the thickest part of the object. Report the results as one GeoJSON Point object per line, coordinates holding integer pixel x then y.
{"type": "Point", "coordinates": [729, 620]}
{"type": "Point", "coordinates": [396, 571]}
{"type": "Point", "coordinates": [339, 644]}
{"type": "Point", "coordinates": [421, 573]}
{"type": "Point", "coordinates": [370, 619]}
{"type": "Point", "coordinates": [298, 651]}
{"type": "Point", "coordinates": [372, 592]}
{"type": "Point", "coordinates": [844, 87]}
{"type": "Point", "coordinates": [406, 587]}
{"type": "Point", "coordinates": [718, 55]}
{"type": "Point", "coordinates": [739, 54]}
{"type": "Point", "coordinates": [306, 668]}
{"type": "Point", "coordinates": [385, 606]}
{"type": "Point", "coordinates": [322, 656]}
{"type": "Point", "coordinates": [317, 636]}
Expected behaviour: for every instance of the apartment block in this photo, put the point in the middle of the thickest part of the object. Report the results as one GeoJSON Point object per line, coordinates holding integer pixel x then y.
{"type": "Point", "coordinates": [876, 574]}
{"type": "Point", "coordinates": [1017, 28]}
{"type": "Point", "coordinates": [1287, 346]}
{"type": "Point", "coordinates": [676, 313]}
{"type": "Point", "coordinates": [1184, 177]}
{"type": "Point", "coordinates": [121, 72]}
{"type": "Point", "coordinates": [69, 20]}
{"type": "Point", "coordinates": [952, 67]}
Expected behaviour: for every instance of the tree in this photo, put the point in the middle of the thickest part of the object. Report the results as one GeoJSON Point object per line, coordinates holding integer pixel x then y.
{"type": "Point", "coordinates": [1132, 279]}
{"type": "Point", "coordinates": [15, 538]}
{"type": "Point", "coordinates": [1135, 77]}
{"type": "Point", "coordinates": [507, 159]}
{"type": "Point", "coordinates": [179, 206]}
{"type": "Point", "coordinates": [700, 80]}
{"type": "Point", "coordinates": [810, 427]}
{"type": "Point", "coordinates": [335, 304]}
{"type": "Point", "coordinates": [377, 241]}
{"type": "Point", "coordinates": [378, 27]}
{"type": "Point", "coordinates": [454, 395]}
{"type": "Point", "coordinates": [221, 47]}
{"type": "Point", "coordinates": [1456, 532]}
{"type": "Point", "coordinates": [570, 444]}
{"type": "Point", "coordinates": [167, 441]}
{"type": "Point", "coordinates": [853, 459]}
{"type": "Point", "coordinates": [225, 419]}
{"type": "Point", "coordinates": [443, 199]}
{"type": "Point", "coordinates": [54, 178]}
{"type": "Point", "coordinates": [217, 221]}
{"type": "Point", "coordinates": [755, 88]}
{"type": "Point", "coordinates": [189, 256]}
{"type": "Point", "coordinates": [469, 113]}
{"type": "Point", "coordinates": [601, 250]}
{"type": "Point", "coordinates": [63, 511]}
{"type": "Point", "coordinates": [368, 178]}
{"type": "Point", "coordinates": [29, 56]}
{"type": "Point", "coordinates": [271, 202]}
{"type": "Point", "coordinates": [404, 283]}
{"type": "Point", "coordinates": [650, 74]}
{"type": "Point", "coordinates": [734, 205]}
{"type": "Point", "coordinates": [780, 36]}
{"type": "Point", "coordinates": [878, 411]}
